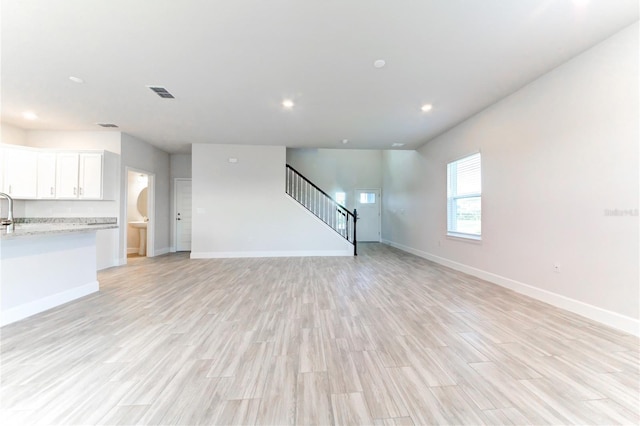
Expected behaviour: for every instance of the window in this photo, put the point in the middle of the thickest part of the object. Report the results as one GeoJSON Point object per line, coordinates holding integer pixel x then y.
{"type": "Point", "coordinates": [464, 197]}
{"type": "Point", "coordinates": [367, 198]}
{"type": "Point", "coordinates": [341, 197]}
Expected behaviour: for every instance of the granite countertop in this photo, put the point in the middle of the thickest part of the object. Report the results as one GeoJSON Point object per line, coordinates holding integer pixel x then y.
{"type": "Point", "coordinates": [40, 226]}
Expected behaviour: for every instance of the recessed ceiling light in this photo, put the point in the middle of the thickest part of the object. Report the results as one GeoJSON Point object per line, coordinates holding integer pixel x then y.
{"type": "Point", "coordinates": [397, 144]}
{"type": "Point", "coordinates": [345, 141]}
{"type": "Point", "coordinates": [426, 107]}
{"type": "Point", "coordinates": [288, 103]}
{"type": "Point", "coordinates": [76, 79]}
{"type": "Point", "coordinates": [379, 63]}
{"type": "Point", "coordinates": [28, 115]}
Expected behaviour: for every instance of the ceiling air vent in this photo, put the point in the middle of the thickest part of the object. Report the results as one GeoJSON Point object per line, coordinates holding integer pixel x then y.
{"type": "Point", "coordinates": [162, 92]}
{"type": "Point", "coordinates": [107, 125]}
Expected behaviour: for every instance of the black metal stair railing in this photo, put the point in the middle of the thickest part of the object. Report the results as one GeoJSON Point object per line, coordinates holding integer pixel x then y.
{"type": "Point", "coordinates": [321, 204]}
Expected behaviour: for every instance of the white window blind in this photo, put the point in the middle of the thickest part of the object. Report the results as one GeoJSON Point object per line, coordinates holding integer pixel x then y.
{"type": "Point", "coordinates": [464, 197]}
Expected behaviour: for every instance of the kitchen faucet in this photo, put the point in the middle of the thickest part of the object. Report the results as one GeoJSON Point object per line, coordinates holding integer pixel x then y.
{"type": "Point", "coordinates": [9, 220]}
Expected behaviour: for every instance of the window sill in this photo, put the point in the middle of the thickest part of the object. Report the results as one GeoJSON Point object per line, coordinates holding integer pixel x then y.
{"type": "Point", "coordinates": [476, 239]}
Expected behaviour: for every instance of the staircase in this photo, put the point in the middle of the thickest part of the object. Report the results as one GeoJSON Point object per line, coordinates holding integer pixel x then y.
{"type": "Point", "coordinates": [322, 206]}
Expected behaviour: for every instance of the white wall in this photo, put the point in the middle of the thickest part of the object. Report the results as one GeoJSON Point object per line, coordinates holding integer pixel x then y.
{"type": "Point", "coordinates": [555, 155]}
{"type": "Point", "coordinates": [59, 139]}
{"type": "Point", "coordinates": [241, 209]}
{"type": "Point", "coordinates": [339, 170]}
{"type": "Point", "coordinates": [140, 155]}
{"type": "Point", "coordinates": [179, 167]}
{"type": "Point", "coordinates": [12, 135]}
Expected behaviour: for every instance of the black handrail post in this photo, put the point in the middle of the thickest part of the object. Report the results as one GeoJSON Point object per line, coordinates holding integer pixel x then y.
{"type": "Point", "coordinates": [355, 242]}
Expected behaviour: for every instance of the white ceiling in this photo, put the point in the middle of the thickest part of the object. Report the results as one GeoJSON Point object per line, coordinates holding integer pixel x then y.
{"type": "Point", "coordinates": [231, 63]}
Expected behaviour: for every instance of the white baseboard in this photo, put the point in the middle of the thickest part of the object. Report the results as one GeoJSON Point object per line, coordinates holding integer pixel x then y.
{"type": "Point", "coordinates": [132, 250]}
{"type": "Point", "coordinates": [613, 319]}
{"type": "Point", "coordinates": [160, 252]}
{"type": "Point", "coordinates": [114, 262]}
{"type": "Point", "coordinates": [28, 309]}
{"type": "Point", "coordinates": [237, 254]}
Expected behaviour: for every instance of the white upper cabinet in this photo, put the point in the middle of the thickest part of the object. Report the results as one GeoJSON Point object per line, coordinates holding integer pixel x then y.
{"type": "Point", "coordinates": [90, 176]}
{"type": "Point", "coordinates": [87, 175]}
{"type": "Point", "coordinates": [67, 168]}
{"type": "Point", "coordinates": [32, 173]}
{"type": "Point", "coordinates": [46, 175]}
{"type": "Point", "coordinates": [20, 171]}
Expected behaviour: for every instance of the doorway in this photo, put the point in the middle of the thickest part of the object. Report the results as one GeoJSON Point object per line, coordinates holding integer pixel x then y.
{"type": "Point", "coordinates": [182, 191]}
{"type": "Point", "coordinates": [368, 205]}
{"type": "Point", "coordinates": [139, 232]}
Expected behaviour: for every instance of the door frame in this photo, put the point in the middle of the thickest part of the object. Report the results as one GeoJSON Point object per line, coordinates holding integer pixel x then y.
{"type": "Point", "coordinates": [151, 210]}
{"type": "Point", "coordinates": [175, 209]}
{"type": "Point", "coordinates": [355, 203]}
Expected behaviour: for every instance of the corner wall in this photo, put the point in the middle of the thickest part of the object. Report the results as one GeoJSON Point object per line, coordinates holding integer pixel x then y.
{"type": "Point", "coordinates": [241, 209]}
{"type": "Point", "coordinates": [557, 156]}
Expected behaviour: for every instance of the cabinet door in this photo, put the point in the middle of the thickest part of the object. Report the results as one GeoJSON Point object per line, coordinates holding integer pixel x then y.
{"type": "Point", "coordinates": [46, 175]}
{"type": "Point", "coordinates": [20, 171]}
{"type": "Point", "coordinates": [67, 175]}
{"type": "Point", "coordinates": [91, 176]}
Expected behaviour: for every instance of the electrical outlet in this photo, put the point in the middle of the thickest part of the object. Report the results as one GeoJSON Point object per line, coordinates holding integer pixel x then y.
{"type": "Point", "coordinates": [556, 268]}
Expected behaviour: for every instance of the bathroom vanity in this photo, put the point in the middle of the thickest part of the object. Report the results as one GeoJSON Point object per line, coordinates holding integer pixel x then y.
{"type": "Point", "coordinates": [46, 262]}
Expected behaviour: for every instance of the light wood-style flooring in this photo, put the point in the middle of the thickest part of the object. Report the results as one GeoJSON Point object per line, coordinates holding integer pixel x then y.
{"type": "Point", "coordinates": [386, 338]}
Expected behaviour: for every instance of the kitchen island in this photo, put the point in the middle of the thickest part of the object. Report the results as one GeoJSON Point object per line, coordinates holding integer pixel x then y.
{"type": "Point", "coordinates": [46, 262]}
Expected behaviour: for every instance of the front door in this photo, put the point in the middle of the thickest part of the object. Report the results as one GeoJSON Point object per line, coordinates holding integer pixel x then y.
{"type": "Point", "coordinates": [183, 214]}
{"type": "Point", "coordinates": [368, 206]}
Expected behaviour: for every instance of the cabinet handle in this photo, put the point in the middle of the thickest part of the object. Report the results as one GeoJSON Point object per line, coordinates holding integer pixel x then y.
{"type": "Point", "coordinates": [81, 191]}
{"type": "Point", "coordinates": [75, 191]}
{"type": "Point", "coordinates": [9, 189]}
{"type": "Point", "coordinates": [52, 190]}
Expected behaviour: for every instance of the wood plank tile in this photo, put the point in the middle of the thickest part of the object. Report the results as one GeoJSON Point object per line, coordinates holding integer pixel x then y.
{"type": "Point", "coordinates": [278, 405]}
{"type": "Point", "coordinates": [313, 399]}
{"type": "Point", "coordinates": [350, 409]}
{"type": "Point", "coordinates": [312, 358]}
{"type": "Point", "coordinates": [384, 338]}
{"type": "Point", "coordinates": [378, 389]}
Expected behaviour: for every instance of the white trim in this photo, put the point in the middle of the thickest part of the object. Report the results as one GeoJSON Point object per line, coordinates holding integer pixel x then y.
{"type": "Point", "coordinates": [174, 228]}
{"type": "Point", "coordinates": [301, 253]}
{"type": "Point", "coordinates": [151, 209]}
{"type": "Point", "coordinates": [132, 250]}
{"type": "Point", "coordinates": [114, 262]}
{"type": "Point", "coordinates": [467, 238]}
{"type": "Point", "coordinates": [160, 252]}
{"type": "Point", "coordinates": [28, 309]}
{"type": "Point", "coordinates": [595, 313]}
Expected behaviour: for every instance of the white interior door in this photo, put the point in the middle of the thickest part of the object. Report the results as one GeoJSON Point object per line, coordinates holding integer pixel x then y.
{"type": "Point", "coordinates": [368, 206]}
{"type": "Point", "coordinates": [183, 214]}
